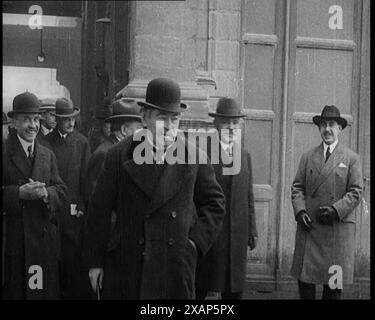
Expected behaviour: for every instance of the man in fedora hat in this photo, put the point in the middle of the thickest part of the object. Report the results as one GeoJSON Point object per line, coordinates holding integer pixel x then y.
{"type": "Point", "coordinates": [100, 130]}
{"type": "Point", "coordinates": [47, 120]}
{"type": "Point", "coordinates": [33, 193]}
{"type": "Point", "coordinates": [125, 119]}
{"type": "Point", "coordinates": [325, 191]}
{"type": "Point", "coordinates": [168, 214]}
{"type": "Point", "coordinates": [72, 151]}
{"type": "Point", "coordinates": [223, 269]}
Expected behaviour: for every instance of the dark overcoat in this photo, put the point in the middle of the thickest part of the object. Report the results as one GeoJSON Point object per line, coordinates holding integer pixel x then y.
{"type": "Point", "coordinates": [338, 183]}
{"type": "Point", "coordinates": [224, 266]}
{"type": "Point", "coordinates": [43, 140]}
{"type": "Point", "coordinates": [32, 236]}
{"type": "Point", "coordinates": [96, 163]}
{"type": "Point", "coordinates": [72, 156]}
{"type": "Point", "coordinates": [159, 208]}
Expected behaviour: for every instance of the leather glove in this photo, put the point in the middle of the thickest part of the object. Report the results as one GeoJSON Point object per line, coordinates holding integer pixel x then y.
{"type": "Point", "coordinates": [304, 220]}
{"type": "Point", "coordinates": [252, 242]}
{"type": "Point", "coordinates": [327, 216]}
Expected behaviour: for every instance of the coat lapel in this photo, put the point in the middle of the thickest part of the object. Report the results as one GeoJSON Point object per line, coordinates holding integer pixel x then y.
{"type": "Point", "coordinates": [159, 182]}
{"type": "Point", "coordinates": [18, 156]}
{"type": "Point", "coordinates": [318, 158]}
{"type": "Point", "coordinates": [333, 161]}
{"type": "Point", "coordinates": [39, 163]}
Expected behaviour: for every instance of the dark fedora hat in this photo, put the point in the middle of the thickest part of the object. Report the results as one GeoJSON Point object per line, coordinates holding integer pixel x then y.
{"type": "Point", "coordinates": [26, 102]}
{"type": "Point", "coordinates": [125, 108]}
{"type": "Point", "coordinates": [227, 108]}
{"type": "Point", "coordinates": [165, 95]}
{"type": "Point", "coordinates": [103, 111]}
{"type": "Point", "coordinates": [48, 104]}
{"type": "Point", "coordinates": [65, 109]}
{"type": "Point", "coordinates": [330, 113]}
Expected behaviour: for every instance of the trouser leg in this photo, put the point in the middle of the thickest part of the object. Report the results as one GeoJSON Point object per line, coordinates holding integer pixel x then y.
{"type": "Point", "coordinates": [331, 294]}
{"type": "Point", "coordinates": [306, 290]}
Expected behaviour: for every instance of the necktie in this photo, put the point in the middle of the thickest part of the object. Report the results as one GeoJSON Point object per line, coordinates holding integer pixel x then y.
{"type": "Point", "coordinates": [327, 154]}
{"type": "Point", "coordinates": [31, 155]}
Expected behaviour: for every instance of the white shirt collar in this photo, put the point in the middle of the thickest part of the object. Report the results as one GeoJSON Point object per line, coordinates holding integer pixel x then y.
{"type": "Point", "coordinates": [25, 145]}
{"type": "Point", "coordinates": [62, 135]}
{"type": "Point", "coordinates": [44, 130]}
{"type": "Point", "coordinates": [331, 147]}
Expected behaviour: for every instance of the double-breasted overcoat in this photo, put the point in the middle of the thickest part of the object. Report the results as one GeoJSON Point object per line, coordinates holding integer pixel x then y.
{"type": "Point", "coordinates": [159, 208]}
{"type": "Point", "coordinates": [338, 183]}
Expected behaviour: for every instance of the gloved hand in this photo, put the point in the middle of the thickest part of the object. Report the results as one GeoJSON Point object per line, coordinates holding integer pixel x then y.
{"type": "Point", "coordinates": [304, 220]}
{"type": "Point", "coordinates": [327, 216]}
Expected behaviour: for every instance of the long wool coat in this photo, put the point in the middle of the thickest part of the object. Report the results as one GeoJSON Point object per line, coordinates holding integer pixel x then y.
{"type": "Point", "coordinates": [72, 156]}
{"type": "Point", "coordinates": [32, 236]}
{"type": "Point", "coordinates": [159, 208]}
{"type": "Point", "coordinates": [224, 266]}
{"type": "Point", "coordinates": [338, 183]}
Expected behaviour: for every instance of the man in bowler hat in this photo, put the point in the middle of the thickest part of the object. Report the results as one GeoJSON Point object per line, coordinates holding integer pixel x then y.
{"type": "Point", "coordinates": [325, 191]}
{"type": "Point", "coordinates": [168, 214]}
{"type": "Point", "coordinates": [125, 119]}
{"type": "Point", "coordinates": [33, 194]}
{"type": "Point", "coordinates": [72, 151]}
{"type": "Point", "coordinates": [223, 269]}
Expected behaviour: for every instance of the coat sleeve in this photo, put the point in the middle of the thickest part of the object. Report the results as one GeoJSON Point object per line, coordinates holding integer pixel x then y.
{"type": "Point", "coordinates": [83, 174]}
{"type": "Point", "coordinates": [57, 189]}
{"type": "Point", "coordinates": [299, 187]}
{"type": "Point", "coordinates": [252, 221]}
{"type": "Point", "coordinates": [354, 189]}
{"type": "Point", "coordinates": [99, 213]}
{"type": "Point", "coordinates": [210, 205]}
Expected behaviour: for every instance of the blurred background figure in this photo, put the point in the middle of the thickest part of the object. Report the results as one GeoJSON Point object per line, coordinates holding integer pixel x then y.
{"type": "Point", "coordinates": [6, 123]}
{"type": "Point", "coordinates": [47, 120]}
{"type": "Point", "coordinates": [100, 130]}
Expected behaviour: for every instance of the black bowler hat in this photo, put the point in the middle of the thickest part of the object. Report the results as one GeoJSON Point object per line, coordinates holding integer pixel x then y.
{"type": "Point", "coordinates": [103, 111]}
{"type": "Point", "coordinates": [65, 109]}
{"type": "Point", "coordinates": [26, 102]}
{"type": "Point", "coordinates": [331, 113]}
{"type": "Point", "coordinates": [48, 104]}
{"type": "Point", "coordinates": [165, 95]}
{"type": "Point", "coordinates": [227, 108]}
{"type": "Point", "coordinates": [124, 108]}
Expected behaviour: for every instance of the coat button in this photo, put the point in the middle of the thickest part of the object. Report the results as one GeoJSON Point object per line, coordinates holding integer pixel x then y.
{"type": "Point", "coordinates": [141, 241]}
{"type": "Point", "coordinates": [45, 229]}
{"type": "Point", "coordinates": [171, 241]}
{"type": "Point", "coordinates": [143, 253]}
{"type": "Point", "coordinates": [173, 214]}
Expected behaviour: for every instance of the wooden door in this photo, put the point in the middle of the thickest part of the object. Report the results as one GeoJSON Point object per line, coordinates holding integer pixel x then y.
{"type": "Point", "coordinates": [262, 41]}
{"type": "Point", "coordinates": [292, 65]}
{"type": "Point", "coordinates": [323, 69]}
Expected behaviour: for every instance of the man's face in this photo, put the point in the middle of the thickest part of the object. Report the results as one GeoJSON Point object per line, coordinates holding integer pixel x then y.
{"type": "Point", "coordinates": [106, 128]}
{"type": "Point", "coordinates": [49, 120]}
{"type": "Point", "coordinates": [162, 125]}
{"type": "Point", "coordinates": [66, 125]}
{"type": "Point", "coordinates": [230, 124]}
{"type": "Point", "coordinates": [131, 126]}
{"type": "Point", "coordinates": [27, 125]}
{"type": "Point", "coordinates": [329, 130]}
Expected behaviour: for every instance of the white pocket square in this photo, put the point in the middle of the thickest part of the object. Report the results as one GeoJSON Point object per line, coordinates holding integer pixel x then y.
{"type": "Point", "coordinates": [342, 165]}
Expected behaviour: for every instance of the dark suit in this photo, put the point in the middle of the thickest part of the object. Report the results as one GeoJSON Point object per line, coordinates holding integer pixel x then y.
{"type": "Point", "coordinates": [72, 156]}
{"type": "Point", "coordinates": [159, 208]}
{"type": "Point", "coordinates": [32, 236]}
{"type": "Point", "coordinates": [223, 269]}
